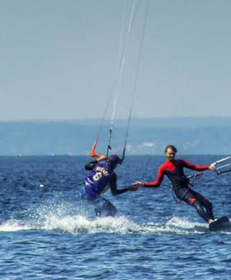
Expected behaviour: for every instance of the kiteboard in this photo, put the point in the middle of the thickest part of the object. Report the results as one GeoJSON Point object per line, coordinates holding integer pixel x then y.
{"type": "Point", "coordinates": [220, 224]}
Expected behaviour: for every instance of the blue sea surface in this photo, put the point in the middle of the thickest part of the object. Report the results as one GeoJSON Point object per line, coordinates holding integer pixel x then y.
{"type": "Point", "coordinates": [47, 232]}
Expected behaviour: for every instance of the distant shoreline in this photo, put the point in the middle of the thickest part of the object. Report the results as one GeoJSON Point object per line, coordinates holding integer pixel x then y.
{"type": "Point", "coordinates": [198, 136]}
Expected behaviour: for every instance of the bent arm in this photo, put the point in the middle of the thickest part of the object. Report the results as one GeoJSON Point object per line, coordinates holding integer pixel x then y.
{"type": "Point", "coordinates": [91, 165]}
{"type": "Point", "coordinates": [113, 185]}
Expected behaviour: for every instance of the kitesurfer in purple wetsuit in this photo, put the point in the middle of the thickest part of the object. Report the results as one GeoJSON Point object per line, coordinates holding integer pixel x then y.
{"type": "Point", "coordinates": [97, 182]}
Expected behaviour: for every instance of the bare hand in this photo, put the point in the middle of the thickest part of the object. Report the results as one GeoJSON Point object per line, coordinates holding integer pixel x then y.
{"type": "Point", "coordinates": [133, 188]}
{"type": "Point", "coordinates": [212, 167]}
{"type": "Point", "coordinates": [137, 184]}
{"type": "Point", "coordinates": [103, 157]}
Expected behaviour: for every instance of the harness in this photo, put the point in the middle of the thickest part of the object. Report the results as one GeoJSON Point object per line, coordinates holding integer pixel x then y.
{"type": "Point", "coordinates": [190, 184]}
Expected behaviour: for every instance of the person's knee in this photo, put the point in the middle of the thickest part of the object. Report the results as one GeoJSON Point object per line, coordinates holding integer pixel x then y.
{"type": "Point", "coordinates": [191, 201]}
{"type": "Point", "coordinates": [111, 210]}
{"type": "Point", "coordinates": [108, 209]}
{"type": "Point", "coordinates": [198, 206]}
{"type": "Point", "coordinates": [194, 202]}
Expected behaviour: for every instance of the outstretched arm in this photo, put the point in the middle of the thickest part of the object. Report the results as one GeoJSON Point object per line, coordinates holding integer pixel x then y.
{"type": "Point", "coordinates": [113, 185]}
{"type": "Point", "coordinates": [91, 165]}
{"type": "Point", "coordinates": [197, 167]}
{"type": "Point", "coordinates": [156, 183]}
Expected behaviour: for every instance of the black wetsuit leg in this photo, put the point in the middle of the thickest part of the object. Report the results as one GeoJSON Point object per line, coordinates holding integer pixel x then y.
{"type": "Point", "coordinates": [104, 207]}
{"type": "Point", "coordinates": [205, 203]}
{"type": "Point", "coordinates": [196, 200]}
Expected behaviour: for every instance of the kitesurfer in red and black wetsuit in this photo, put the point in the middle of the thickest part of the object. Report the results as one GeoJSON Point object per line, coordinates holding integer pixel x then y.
{"type": "Point", "coordinates": [173, 169]}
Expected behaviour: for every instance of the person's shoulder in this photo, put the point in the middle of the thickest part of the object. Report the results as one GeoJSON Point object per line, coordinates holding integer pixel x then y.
{"type": "Point", "coordinates": [90, 165]}
{"type": "Point", "coordinates": [163, 165]}
{"type": "Point", "coordinates": [101, 164]}
{"type": "Point", "coordinates": [181, 161]}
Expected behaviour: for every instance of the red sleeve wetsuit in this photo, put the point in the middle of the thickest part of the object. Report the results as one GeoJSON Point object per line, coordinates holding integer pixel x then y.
{"type": "Point", "coordinates": [175, 173]}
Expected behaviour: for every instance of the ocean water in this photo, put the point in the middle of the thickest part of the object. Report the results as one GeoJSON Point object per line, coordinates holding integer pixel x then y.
{"type": "Point", "coordinates": [47, 232]}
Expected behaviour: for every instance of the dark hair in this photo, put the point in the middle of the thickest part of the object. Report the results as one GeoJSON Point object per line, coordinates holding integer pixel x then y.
{"type": "Point", "coordinates": [170, 147]}
{"type": "Point", "coordinates": [113, 160]}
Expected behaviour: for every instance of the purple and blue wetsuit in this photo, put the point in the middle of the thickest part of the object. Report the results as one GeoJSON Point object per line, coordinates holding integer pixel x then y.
{"type": "Point", "coordinates": [101, 177]}
{"type": "Point", "coordinates": [97, 181]}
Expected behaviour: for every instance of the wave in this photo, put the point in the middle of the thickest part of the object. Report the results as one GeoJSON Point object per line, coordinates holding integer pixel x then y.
{"type": "Point", "coordinates": [13, 225]}
{"type": "Point", "coordinates": [79, 224]}
{"type": "Point", "coordinates": [68, 218]}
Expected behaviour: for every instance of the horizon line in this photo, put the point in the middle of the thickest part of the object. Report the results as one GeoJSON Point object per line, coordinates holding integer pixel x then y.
{"type": "Point", "coordinates": [118, 119]}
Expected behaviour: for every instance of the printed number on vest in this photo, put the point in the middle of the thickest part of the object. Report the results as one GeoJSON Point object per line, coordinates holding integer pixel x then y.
{"type": "Point", "coordinates": [97, 176]}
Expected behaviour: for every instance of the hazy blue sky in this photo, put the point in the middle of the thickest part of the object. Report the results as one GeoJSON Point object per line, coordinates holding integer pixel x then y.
{"type": "Point", "coordinates": [59, 58]}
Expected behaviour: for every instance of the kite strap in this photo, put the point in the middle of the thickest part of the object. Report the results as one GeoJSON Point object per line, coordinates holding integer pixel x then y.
{"type": "Point", "coordinates": [179, 200]}
{"type": "Point", "coordinates": [224, 171]}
